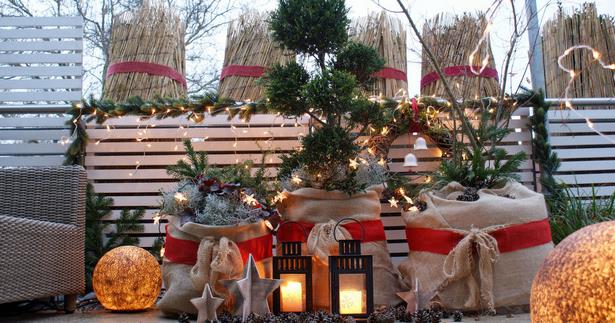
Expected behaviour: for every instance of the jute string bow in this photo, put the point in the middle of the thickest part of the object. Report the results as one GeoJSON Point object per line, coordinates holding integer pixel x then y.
{"type": "Point", "coordinates": [477, 248]}
{"type": "Point", "coordinates": [216, 260]}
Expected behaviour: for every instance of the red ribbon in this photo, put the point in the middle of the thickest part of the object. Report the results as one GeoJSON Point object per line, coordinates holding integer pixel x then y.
{"type": "Point", "coordinates": [464, 70]}
{"type": "Point", "coordinates": [414, 123]}
{"type": "Point", "coordinates": [184, 251]}
{"type": "Point", "coordinates": [241, 70]}
{"type": "Point", "coordinates": [512, 238]}
{"type": "Point", "coordinates": [374, 231]}
{"type": "Point", "coordinates": [146, 67]}
{"type": "Point", "coordinates": [391, 73]}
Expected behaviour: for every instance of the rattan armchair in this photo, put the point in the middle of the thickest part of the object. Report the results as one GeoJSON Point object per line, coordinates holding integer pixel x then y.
{"type": "Point", "coordinates": [42, 233]}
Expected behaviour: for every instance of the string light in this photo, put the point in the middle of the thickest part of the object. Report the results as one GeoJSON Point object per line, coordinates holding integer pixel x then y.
{"type": "Point", "coordinates": [295, 179]}
{"type": "Point", "coordinates": [573, 74]}
{"type": "Point", "coordinates": [180, 197]}
{"type": "Point", "coordinates": [393, 202]}
{"type": "Point", "coordinates": [354, 164]}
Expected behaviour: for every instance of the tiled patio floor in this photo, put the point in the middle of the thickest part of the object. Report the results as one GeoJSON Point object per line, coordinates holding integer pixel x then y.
{"type": "Point", "coordinates": [152, 316]}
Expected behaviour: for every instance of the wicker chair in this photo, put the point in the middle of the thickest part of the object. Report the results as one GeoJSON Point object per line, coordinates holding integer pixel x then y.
{"type": "Point", "coordinates": [42, 233]}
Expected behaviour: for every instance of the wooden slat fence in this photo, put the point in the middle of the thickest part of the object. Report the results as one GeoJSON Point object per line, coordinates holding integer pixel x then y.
{"type": "Point", "coordinates": [40, 76]}
{"type": "Point", "coordinates": [587, 159]}
{"type": "Point", "coordinates": [114, 153]}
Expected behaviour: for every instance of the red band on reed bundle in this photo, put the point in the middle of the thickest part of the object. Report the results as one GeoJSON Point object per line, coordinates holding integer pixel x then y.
{"type": "Point", "coordinates": [464, 70]}
{"type": "Point", "coordinates": [374, 231]}
{"type": "Point", "coordinates": [185, 251]}
{"type": "Point", "coordinates": [242, 70]}
{"type": "Point", "coordinates": [512, 238]}
{"type": "Point", "coordinates": [391, 73]}
{"type": "Point", "coordinates": [148, 68]}
{"type": "Point", "coordinates": [414, 122]}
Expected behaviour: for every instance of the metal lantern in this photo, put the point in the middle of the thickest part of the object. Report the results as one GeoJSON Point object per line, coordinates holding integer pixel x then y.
{"type": "Point", "coordinates": [351, 277]}
{"type": "Point", "coordinates": [295, 271]}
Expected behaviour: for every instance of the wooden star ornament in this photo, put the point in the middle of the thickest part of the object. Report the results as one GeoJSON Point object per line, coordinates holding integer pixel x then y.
{"type": "Point", "coordinates": [411, 298]}
{"type": "Point", "coordinates": [207, 305]}
{"type": "Point", "coordinates": [251, 292]}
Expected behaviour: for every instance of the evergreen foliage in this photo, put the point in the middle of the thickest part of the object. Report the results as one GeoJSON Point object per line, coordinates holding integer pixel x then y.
{"type": "Point", "coordinates": [96, 230]}
{"type": "Point", "coordinates": [331, 94]}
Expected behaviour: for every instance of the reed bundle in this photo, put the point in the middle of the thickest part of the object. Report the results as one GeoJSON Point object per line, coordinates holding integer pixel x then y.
{"type": "Point", "coordinates": [582, 27]}
{"type": "Point", "coordinates": [151, 34]}
{"type": "Point", "coordinates": [248, 45]}
{"type": "Point", "coordinates": [388, 36]}
{"type": "Point", "coordinates": [452, 41]}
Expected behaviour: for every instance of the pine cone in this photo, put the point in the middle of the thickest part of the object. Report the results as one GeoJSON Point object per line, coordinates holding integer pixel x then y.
{"type": "Point", "coordinates": [470, 194]}
{"type": "Point", "coordinates": [457, 316]}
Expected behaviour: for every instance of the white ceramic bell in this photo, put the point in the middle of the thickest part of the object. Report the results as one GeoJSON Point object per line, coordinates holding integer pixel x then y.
{"type": "Point", "coordinates": [410, 160]}
{"type": "Point", "coordinates": [420, 144]}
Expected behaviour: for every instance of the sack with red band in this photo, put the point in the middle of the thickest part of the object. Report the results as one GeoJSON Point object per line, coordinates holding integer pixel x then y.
{"type": "Point", "coordinates": [197, 254]}
{"type": "Point", "coordinates": [318, 211]}
{"type": "Point", "coordinates": [478, 255]}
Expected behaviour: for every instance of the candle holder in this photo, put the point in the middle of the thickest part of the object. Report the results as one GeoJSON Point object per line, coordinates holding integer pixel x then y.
{"type": "Point", "coordinates": [351, 276]}
{"type": "Point", "coordinates": [295, 271]}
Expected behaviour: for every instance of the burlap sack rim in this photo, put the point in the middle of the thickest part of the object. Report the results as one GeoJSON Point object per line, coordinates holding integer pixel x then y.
{"type": "Point", "coordinates": [196, 231]}
{"type": "Point", "coordinates": [314, 193]}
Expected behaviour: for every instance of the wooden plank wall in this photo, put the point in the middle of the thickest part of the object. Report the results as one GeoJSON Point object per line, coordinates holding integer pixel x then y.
{"type": "Point", "coordinates": [587, 159]}
{"type": "Point", "coordinates": [40, 73]}
{"type": "Point", "coordinates": [119, 146]}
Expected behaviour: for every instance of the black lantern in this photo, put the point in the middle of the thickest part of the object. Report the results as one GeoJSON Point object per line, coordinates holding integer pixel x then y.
{"type": "Point", "coordinates": [295, 271]}
{"type": "Point", "coordinates": [351, 276]}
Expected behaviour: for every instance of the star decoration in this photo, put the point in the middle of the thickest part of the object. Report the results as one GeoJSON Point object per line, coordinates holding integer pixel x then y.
{"type": "Point", "coordinates": [250, 200]}
{"type": "Point", "coordinates": [296, 179]}
{"type": "Point", "coordinates": [393, 202]}
{"type": "Point", "coordinates": [411, 297]}
{"type": "Point", "coordinates": [281, 196]}
{"type": "Point", "coordinates": [207, 305]}
{"type": "Point", "coordinates": [156, 218]}
{"type": "Point", "coordinates": [354, 164]}
{"type": "Point", "coordinates": [251, 292]}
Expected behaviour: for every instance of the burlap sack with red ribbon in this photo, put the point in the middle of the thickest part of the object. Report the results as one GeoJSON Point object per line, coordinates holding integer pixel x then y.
{"type": "Point", "coordinates": [318, 211]}
{"type": "Point", "coordinates": [197, 254]}
{"type": "Point", "coordinates": [479, 255]}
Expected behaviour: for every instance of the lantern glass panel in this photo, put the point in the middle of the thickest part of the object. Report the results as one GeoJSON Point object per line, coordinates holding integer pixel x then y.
{"type": "Point", "coordinates": [352, 294]}
{"type": "Point", "coordinates": [293, 293]}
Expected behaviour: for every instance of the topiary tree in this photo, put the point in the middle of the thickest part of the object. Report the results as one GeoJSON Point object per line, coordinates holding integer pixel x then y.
{"type": "Point", "coordinates": [331, 92]}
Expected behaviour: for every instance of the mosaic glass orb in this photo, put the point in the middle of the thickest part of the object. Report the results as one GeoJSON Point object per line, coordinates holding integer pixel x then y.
{"type": "Point", "coordinates": [127, 278]}
{"type": "Point", "coordinates": [576, 283]}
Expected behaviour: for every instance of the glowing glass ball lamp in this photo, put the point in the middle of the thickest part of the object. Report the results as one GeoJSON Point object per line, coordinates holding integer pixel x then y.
{"type": "Point", "coordinates": [127, 278]}
{"type": "Point", "coordinates": [295, 270]}
{"type": "Point", "coordinates": [576, 283]}
{"type": "Point", "coordinates": [351, 278]}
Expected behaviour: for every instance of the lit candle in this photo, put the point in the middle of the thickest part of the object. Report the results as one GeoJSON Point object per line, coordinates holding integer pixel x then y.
{"type": "Point", "coordinates": [292, 296]}
{"type": "Point", "coordinates": [351, 302]}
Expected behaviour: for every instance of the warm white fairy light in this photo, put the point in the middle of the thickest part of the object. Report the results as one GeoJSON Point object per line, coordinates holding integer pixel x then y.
{"type": "Point", "coordinates": [280, 196]}
{"type": "Point", "coordinates": [250, 200]}
{"type": "Point", "coordinates": [161, 251]}
{"type": "Point", "coordinates": [382, 162]}
{"type": "Point", "coordinates": [353, 163]}
{"type": "Point", "coordinates": [573, 74]}
{"type": "Point", "coordinates": [295, 179]}
{"type": "Point", "coordinates": [156, 218]}
{"type": "Point", "coordinates": [180, 197]}
{"type": "Point", "coordinates": [393, 202]}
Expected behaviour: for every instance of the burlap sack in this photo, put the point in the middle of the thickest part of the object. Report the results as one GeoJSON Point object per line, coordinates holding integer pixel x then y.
{"type": "Point", "coordinates": [502, 239]}
{"type": "Point", "coordinates": [197, 254]}
{"type": "Point", "coordinates": [324, 209]}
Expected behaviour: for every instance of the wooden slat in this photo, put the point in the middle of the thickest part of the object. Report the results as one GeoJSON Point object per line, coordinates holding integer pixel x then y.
{"type": "Point", "coordinates": [258, 120]}
{"type": "Point", "coordinates": [580, 140]}
{"type": "Point", "coordinates": [33, 134]}
{"type": "Point", "coordinates": [194, 132]}
{"type": "Point", "coordinates": [585, 153]}
{"type": "Point", "coordinates": [40, 21]}
{"type": "Point", "coordinates": [567, 115]}
{"type": "Point", "coordinates": [32, 161]}
{"type": "Point", "coordinates": [582, 179]}
{"type": "Point", "coordinates": [33, 122]}
{"type": "Point", "coordinates": [224, 159]}
{"type": "Point", "coordinates": [41, 71]}
{"type": "Point", "coordinates": [32, 149]}
{"type": "Point", "coordinates": [587, 165]}
{"type": "Point", "coordinates": [39, 58]}
{"type": "Point", "coordinates": [41, 84]}
{"type": "Point", "coordinates": [34, 33]}
{"type": "Point", "coordinates": [13, 46]}
{"type": "Point", "coordinates": [564, 128]}
{"type": "Point", "coordinates": [209, 146]}
{"type": "Point", "coordinates": [40, 96]}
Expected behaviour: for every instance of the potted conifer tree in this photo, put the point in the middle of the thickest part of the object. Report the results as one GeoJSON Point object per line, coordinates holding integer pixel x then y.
{"type": "Point", "coordinates": [331, 177]}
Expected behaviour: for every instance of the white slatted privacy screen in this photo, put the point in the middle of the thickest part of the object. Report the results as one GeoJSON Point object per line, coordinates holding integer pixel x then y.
{"type": "Point", "coordinates": [40, 76]}
{"type": "Point", "coordinates": [113, 155]}
{"type": "Point", "coordinates": [587, 159]}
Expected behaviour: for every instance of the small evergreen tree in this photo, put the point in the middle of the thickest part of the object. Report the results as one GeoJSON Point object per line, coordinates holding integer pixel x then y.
{"type": "Point", "coordinates": [331, 93]}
